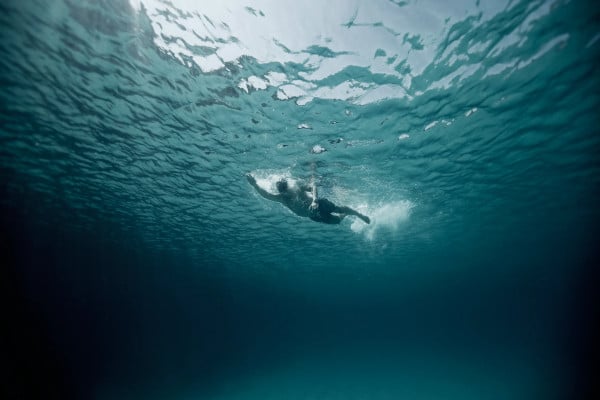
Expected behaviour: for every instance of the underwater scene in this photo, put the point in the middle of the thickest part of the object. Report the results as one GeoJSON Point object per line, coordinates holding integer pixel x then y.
{"type": "Point", "coordinates": [262, 199]}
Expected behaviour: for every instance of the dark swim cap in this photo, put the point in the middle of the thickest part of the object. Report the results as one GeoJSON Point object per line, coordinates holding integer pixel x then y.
{"type": "Point", "coordinates": [281, 185]}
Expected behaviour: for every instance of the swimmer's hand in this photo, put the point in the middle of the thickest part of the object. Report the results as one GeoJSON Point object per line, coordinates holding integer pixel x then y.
{"type": "Point", "coordinates": [314, 206]}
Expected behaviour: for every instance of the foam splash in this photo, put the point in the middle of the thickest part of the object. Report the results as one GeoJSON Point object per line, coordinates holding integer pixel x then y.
{"type": "Point", "coordinates": [386, 218]}
{"type": "Point", "coordinates": [267, 179]}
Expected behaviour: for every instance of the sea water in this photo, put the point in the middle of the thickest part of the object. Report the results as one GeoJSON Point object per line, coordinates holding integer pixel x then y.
{"type": "Point", "coordinates": [145, 266]}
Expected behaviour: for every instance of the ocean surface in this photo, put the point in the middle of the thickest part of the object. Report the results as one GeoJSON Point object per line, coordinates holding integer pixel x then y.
{"type": "Point", "coordinates": [141, 264]}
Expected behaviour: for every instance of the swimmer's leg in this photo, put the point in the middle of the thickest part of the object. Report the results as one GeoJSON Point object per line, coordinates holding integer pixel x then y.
{"type": "Point", "coordinates": [347, 210]}
{"type": "Point", "coordinates": [332, 219]}
{"type": "Point", "coordinates": [329, 219]}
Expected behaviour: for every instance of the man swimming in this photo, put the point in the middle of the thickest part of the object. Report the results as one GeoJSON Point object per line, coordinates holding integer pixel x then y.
{"type": "Point", "coordinates": [303, 201]}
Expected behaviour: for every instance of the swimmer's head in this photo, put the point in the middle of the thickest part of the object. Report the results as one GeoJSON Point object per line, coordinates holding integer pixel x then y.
{"type": "Point", "coordinates": [281, 185]}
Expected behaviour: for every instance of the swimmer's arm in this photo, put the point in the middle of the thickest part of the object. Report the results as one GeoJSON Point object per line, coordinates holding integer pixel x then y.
{"type": "Point", "coordinates": [260, 190]}
{"type": "Point", "coordinates": [312, 188]}
{"type": "Point", "coordinates": [314, 204]}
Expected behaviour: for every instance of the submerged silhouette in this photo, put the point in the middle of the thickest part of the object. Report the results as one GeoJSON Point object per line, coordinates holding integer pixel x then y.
{"type": "Point", "coordinates": [303, 201]}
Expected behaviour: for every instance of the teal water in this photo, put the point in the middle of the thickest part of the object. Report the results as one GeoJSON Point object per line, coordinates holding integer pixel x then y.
{"type": "Point", "coordinates": [146, 266]}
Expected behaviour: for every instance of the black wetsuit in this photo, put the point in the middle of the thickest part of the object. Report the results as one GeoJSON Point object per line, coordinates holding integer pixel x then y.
{"type": "Point", "coordinates": [323, 212]}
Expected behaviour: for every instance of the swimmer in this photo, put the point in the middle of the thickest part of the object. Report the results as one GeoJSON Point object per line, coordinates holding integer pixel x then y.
{"type": "Point", "coordinates": [303, 201]}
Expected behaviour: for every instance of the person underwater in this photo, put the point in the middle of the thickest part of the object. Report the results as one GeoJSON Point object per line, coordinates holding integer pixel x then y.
{"type": "Point", "coordinates": [302, 200]}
